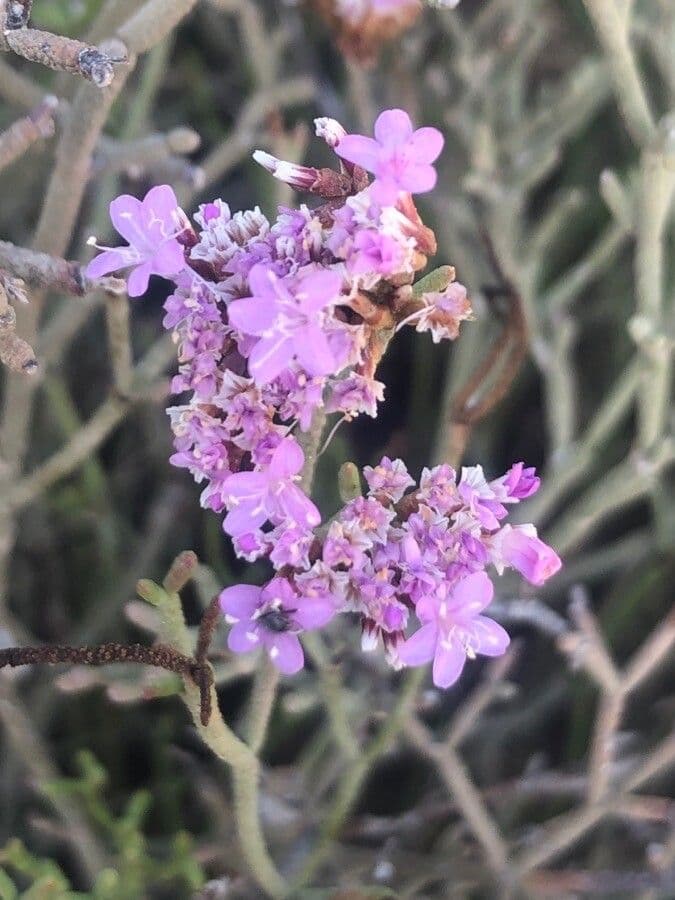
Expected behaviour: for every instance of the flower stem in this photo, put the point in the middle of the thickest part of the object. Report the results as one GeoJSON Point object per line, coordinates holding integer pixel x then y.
{"type": "Point", "coordinates": [222, 741]}
{"type": "Point", "coordinates": [261, 704]}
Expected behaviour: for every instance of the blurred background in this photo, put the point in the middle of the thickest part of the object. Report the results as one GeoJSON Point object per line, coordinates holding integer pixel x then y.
{"type": "Point", "coordinates": [548, 774]}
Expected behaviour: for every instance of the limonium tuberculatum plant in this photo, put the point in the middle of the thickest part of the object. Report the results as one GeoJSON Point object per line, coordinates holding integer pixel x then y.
{"type": "Point", "coordinates": [278, 322]}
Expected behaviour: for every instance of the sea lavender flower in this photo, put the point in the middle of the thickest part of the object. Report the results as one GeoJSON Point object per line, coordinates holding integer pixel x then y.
{"type": "Point", "coordinates": [390, 478]}
{"type": "Point", "coordinates": [520, 548]}
{"type": "Point", "coordinates": [443, 312]}
{"type": "Point", "coordinates": [150, 226]}
{"type": "Point", "coordinates": [272, 617]}
{"type": "Point", "coordinates": [271, 494]}
{"type": "Point", "coordinates": [286, 316]}
{"type": "Point", "coordinates": [399, 157]}
{"type": "Point", "coordinates": [454, 630]}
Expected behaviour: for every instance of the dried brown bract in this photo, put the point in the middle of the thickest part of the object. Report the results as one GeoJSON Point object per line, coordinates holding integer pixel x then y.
{"type": "Point", "coordinates": [361, 28]}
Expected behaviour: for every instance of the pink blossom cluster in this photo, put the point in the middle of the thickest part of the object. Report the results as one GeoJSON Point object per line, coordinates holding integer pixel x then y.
{"type": "Point", "coordinates": [396, 556]}
{"type": "Point", "coordinates": [279, 321]}
{"type": "Point", "coordinates": [276, 321]}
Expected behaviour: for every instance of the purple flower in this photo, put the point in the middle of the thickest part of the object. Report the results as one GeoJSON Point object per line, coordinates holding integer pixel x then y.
{"type": "Point", "coordinates": [521, 549]}
{"type": "Point", "coordinates": [367, 518]}
{"type": "Point", "coordinates": [150, 227]}
{"type": "Point", "coordinates": [399, 157]}
{"type": "Point", "coordinates": [287, 317]}
{"type": "Point", "coordinates": [517, 484]}
{"type": "Point", "coordinates": [290, 547]}
{"type": "Point", "coordinates": [250, 546]}
{"type": "Point", "coordinates": [374, 252]}
{"type": "Point", "coordinates": [322, 581]}
{"type": "Point", "coordinates": [272, 617]}
{"type": "Point", "coordinates": [443, 312]}
{"type": "Point", "coordinates": [480, 498]}
{"type": "Point", "coordinates": [438, 489]}
{"type": "Point", "coordinates": [388, 477]}
{"type": "Point", "coordinates": [356, 394]}
{"type": "Point", "coordinates": [343, 546]}
{"type": "Point", "coordinates": [254, 498]}
{"type": "Point", "coordinates": [418, 576]}
{"type": "Point", "coordinates": [454, 630]}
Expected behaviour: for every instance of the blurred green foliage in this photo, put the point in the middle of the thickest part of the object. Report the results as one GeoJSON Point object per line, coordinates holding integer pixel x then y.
{"type": "Point", "coordinates": [133, 871]}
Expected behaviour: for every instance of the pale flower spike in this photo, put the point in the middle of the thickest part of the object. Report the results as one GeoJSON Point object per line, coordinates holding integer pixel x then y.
{"type": "Point", "coordinates": [276, 321]}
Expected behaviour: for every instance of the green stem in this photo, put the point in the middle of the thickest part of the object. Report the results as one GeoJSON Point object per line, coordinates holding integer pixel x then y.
{"type": "Point", "coordinates": [261, 704]}
{"type": "Point", "coordinates": [612, 28]}
{"type": "Point", "coordinates": [310, 441]}
{"type": "Point", "coordinates": [658, 184]}
{"type": "Point", "coordinates": [222, 741]}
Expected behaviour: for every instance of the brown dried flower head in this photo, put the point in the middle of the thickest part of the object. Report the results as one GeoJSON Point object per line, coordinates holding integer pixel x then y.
{"type": "Point", "coordinates": [362, 27]}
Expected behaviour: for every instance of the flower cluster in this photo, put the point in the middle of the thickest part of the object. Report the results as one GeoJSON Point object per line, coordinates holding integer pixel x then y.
{"type": "Point", "coordinates": [278, 322]}
{"type": "Point", "coordinates": [396, 555]}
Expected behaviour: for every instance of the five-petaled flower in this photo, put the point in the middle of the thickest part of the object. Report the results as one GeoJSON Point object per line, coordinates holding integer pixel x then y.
{"type": "Point", "coordinates": [150, 226]}
{"type": "Point", "coordinates": [286, 316]}
{"type": "Point", "coordinates": [254, 498]}
{"type": "Point", "coordinates": [399, 157]}
{"type": "Point", "coordinates": [454, 630]}
{"type": "Point", "coordinates": [272, 617]}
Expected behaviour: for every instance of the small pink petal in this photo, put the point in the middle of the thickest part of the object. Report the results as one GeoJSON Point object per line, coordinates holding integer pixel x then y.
{"type": "Point", "coordinates": [417, 178]}
{"type": "Point", "coordinates": [470, 596]}
{"type": "Point", "coordinates": [254, 315]}
{"type": "Point", "coordinates": [314, 612]}
{"type": "Point", "coordinates": [162, 202]}
{"type": "Point", "coordinates": [427, 144]}
{"type": "Point", "coordinates": [138, 281]}
{"type": "Point", "coordinates": [285, 652]}
{"type": "Point", "coordinates": [358, 149]}
{"type": "Point", "coordinates": [393, 126]}
{"type": "Point", "coordinates": [313, 350]}
{"type": "Point", "coordinates": [243, 519]}
{"type": "Point", "coordinates": [239, 601]}
{"type": "Point", "coordinates": [111, 261]}
{"type": "Point", "coordinates": [269, 358]}
{"type": "Point", "coordinates": [318, 290]}
{"type": "Point", "coordinates": [420, 646]}
{"type": "Point", "coordinates": [126, 214]}
{"type": "Point", "coordinates": [168, 259]}
{"type": "Point", "coordinates": [384, 190]}
{"type": "Point", "coordinates": [287, 459]}
{"type": "Point", "coordinates": [242, 638]}
{"type": "Point", "coordinates": [297, 507]}
{"type": "Point", "coordinates": [242, 486]}
{"type": "Point", "coordinates": [489, 638]}
{"type": "Point", "coordinates": [448, 664]}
